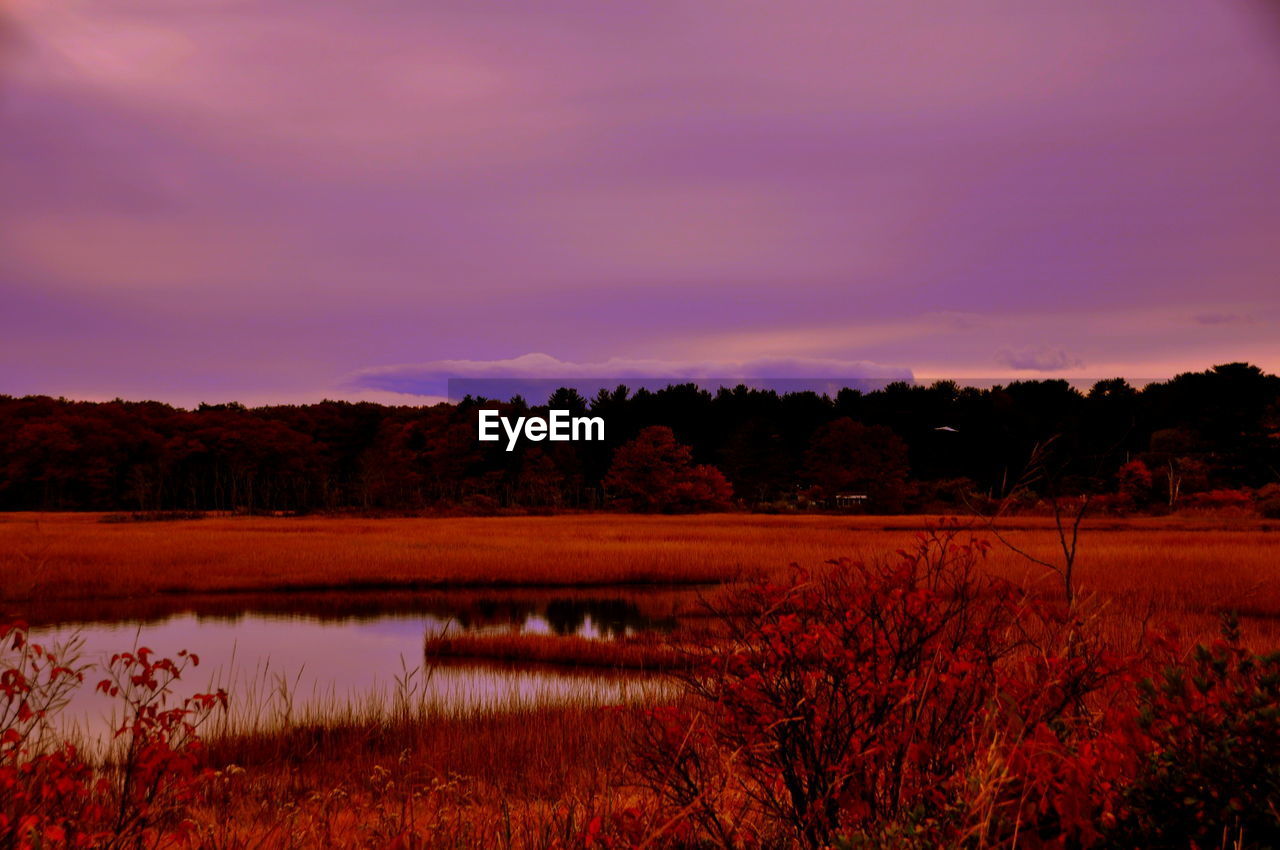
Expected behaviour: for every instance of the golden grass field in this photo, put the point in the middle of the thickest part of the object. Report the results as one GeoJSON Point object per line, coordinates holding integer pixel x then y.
{"type": "Point", "coordinates": [534, 776]}
{"type": "Point", "coordinates": [1184, 569]}
{"type": "Point", "coordinates": [519, 778]}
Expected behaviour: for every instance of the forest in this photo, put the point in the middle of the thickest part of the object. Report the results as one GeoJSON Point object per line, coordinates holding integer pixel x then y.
{"type": "Point", "coordinates": [1208, 439]}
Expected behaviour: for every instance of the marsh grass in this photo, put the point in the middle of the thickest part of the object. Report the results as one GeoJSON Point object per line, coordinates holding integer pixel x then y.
{"type": "Point", "coordinates": [514, 771]}
{"type": "Point", "coordinates": [1179, 570]}
{"type": "Point", "coordinates": [518, 770]}
{"type": "Point", "coordinates": [628, 653]}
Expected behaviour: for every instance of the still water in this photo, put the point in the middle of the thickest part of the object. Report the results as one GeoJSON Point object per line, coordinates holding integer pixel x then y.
{"type": "Point", "coordinates": [284, 660]}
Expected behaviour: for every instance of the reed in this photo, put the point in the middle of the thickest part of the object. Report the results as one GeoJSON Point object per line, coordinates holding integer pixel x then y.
{"type": "Point", "coordinates": [1180, 570]}
{"type": "Point", "coordinates": [639, 653]}
{"type": "Point", "coordinates": [516, 772]}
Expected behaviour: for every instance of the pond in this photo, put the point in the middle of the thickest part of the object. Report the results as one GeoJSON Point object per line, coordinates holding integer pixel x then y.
{"type": "Point", "coordinates": [291, 657]}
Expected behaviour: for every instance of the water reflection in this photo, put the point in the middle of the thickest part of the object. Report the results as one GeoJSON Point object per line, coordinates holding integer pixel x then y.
{"type": "Point", "coordinates": [564, 610]}
{"type": "Point", "coordinates": [297, 664]}
{"type": "Point", "coordinates": [590, 618]}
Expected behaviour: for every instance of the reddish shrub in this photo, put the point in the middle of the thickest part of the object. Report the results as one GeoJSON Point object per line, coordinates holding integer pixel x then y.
{"type": "Point", "coordinates": [854, 700]}
{"type": "Point", "coordinates": [1235, 501]}
{"type": "Point", "coordinates": [920, 703]}
{"type": "Point", "coordinates": [1211, 733]}
{"type": "Point", "coordinates": [1134, 483]}
{"type": "Point", "coordinates": [1268, 501]}
{"type": "Point", "coordinates": [53, 796]}
{"type": "Point", "coordinates": [43, 794]}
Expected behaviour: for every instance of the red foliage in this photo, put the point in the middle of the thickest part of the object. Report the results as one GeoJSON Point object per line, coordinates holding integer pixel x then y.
{"type": "Point", "coordinates": [55, 797]}
{"type": "Point", "coordinates": [854, 697]}
{"type": "Point", "coordinates": [1134, 482]}
{"type": "Point", "coordinates": [923, 701]}
{"type": "Point", "coordinates": [653, 472]}
{"type": "Point", "coordinates": [1210, 726]}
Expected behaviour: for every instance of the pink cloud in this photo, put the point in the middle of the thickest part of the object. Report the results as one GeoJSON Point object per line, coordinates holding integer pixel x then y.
{"type": "Point", "coordinates": [267, 196]}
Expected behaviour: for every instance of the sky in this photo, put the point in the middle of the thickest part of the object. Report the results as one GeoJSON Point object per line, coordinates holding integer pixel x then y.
{"type": "Point", "coordinates": [288, 200]}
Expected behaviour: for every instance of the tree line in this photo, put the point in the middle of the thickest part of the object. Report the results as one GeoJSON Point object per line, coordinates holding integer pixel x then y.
{"type": "Point", "coordinates": [901, 448]}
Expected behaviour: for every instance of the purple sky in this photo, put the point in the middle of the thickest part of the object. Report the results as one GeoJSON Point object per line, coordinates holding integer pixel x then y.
{"type": "Point", "coordinates": [282, 200]}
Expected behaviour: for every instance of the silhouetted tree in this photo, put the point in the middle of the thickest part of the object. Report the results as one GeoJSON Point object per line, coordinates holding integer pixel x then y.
{"type": "Point", "coordinates": [653, 472]}
{"type": "Point", "coordinates": [847, 456]}
{"type": "Point", "coordinates": [1213, 430]}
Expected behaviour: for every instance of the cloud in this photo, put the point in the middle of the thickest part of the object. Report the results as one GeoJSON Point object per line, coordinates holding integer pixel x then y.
{"type": "Point", "coordinates": [538, 371]}
{"type": "Point", "coordinates": [1038, 359]}
{"type": "Point", "coordinates": [261, 197]}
